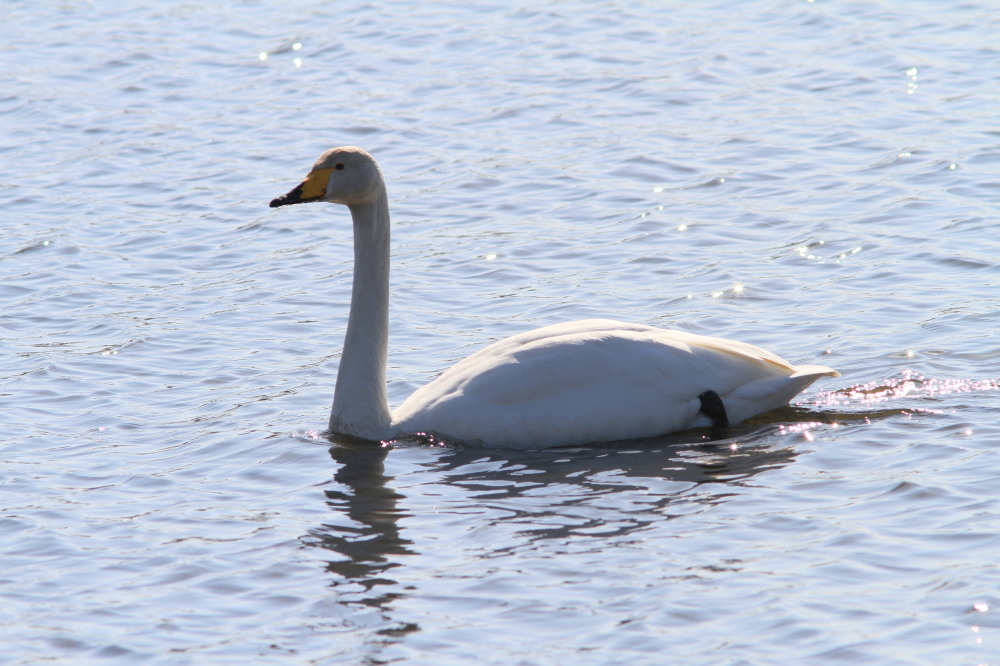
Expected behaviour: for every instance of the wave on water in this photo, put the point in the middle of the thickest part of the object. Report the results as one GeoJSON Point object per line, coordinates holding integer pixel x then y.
{"type": "Point", "coordinates": [908, 384]}
{"type": "Point", "coordinates": [909, 394]}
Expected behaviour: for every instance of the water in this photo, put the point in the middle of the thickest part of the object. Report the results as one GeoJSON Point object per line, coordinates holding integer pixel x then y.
{"type": "Point", "coordinates": [818, 178]}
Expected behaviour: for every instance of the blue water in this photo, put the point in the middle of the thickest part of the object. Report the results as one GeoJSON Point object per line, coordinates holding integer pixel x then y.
{"type": "Point", "coordinates": [818, 178]}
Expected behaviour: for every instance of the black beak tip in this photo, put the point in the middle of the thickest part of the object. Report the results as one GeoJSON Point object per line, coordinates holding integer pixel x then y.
{"type": "Point", "coordinates": [292, 197]}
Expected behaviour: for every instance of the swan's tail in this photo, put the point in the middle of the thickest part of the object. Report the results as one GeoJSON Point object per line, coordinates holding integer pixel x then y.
{"type": "Point", "coordinates": [769, 393]}
{"type": "Point", "coordinates": [814, 371]}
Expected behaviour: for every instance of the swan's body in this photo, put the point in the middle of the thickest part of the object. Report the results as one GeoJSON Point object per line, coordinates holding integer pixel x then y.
{"type": "Point", "coordinates": [586, 381]}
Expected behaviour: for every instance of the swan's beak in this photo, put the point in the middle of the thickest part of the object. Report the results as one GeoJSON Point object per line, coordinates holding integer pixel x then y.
{"type": "Point", "coordinates": [313, 188]}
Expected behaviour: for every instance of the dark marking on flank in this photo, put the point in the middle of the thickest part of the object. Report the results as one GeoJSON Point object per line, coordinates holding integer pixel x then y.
{"type": "Point", "coordinates": [712, 407]}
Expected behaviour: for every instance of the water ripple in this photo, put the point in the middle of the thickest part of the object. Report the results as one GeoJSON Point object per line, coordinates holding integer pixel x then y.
{"type": "Point", "coordinates": [816, 178]}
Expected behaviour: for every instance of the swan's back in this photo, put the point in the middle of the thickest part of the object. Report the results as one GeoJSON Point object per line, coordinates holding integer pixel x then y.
{"type": "Point", "coordinates": [598, 380]}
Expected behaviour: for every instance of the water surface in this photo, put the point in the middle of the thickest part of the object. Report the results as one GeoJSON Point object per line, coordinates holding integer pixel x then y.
{"type": "Point", "coordinates": [818, 178]}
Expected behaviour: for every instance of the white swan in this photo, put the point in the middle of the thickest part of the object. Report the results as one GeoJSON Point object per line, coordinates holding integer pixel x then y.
{"type": "Point", "coordinates": [580, 382]}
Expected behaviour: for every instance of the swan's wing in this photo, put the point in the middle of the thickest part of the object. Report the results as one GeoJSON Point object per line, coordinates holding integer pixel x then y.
{"type": "Point", "coordinates": [594, 380]}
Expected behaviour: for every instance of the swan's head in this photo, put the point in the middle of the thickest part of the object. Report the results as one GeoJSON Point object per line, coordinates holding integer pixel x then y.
{"type": "Point", "coordinates": [345, 175]}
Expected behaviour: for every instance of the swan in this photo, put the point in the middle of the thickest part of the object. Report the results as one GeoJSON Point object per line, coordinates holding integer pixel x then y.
{"type": "Point", "coordinates": [589, 381]}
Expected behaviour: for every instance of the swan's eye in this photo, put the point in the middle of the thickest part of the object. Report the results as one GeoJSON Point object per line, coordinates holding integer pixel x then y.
{"type": "Point", "coordinates": [339, 167]}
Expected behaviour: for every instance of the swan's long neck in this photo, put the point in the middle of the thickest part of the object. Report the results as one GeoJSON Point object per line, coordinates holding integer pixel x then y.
{"type": "Point", "coordinates": [360, 401]}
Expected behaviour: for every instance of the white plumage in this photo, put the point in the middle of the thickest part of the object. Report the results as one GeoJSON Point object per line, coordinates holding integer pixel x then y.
{"type": "Point", "coordinates": [595, 380]}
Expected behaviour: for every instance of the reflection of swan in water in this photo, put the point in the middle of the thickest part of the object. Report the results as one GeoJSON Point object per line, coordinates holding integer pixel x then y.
{"type": "Point", "coordinates": [364, 531]}
{"type": "Point", "coordinates": [579, 496]}
{"type": "Point", "coordinates": [513, 487]}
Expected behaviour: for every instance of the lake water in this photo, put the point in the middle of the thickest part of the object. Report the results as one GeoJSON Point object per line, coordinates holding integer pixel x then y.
{"type": "Point", "coordinates": [818, 178]}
